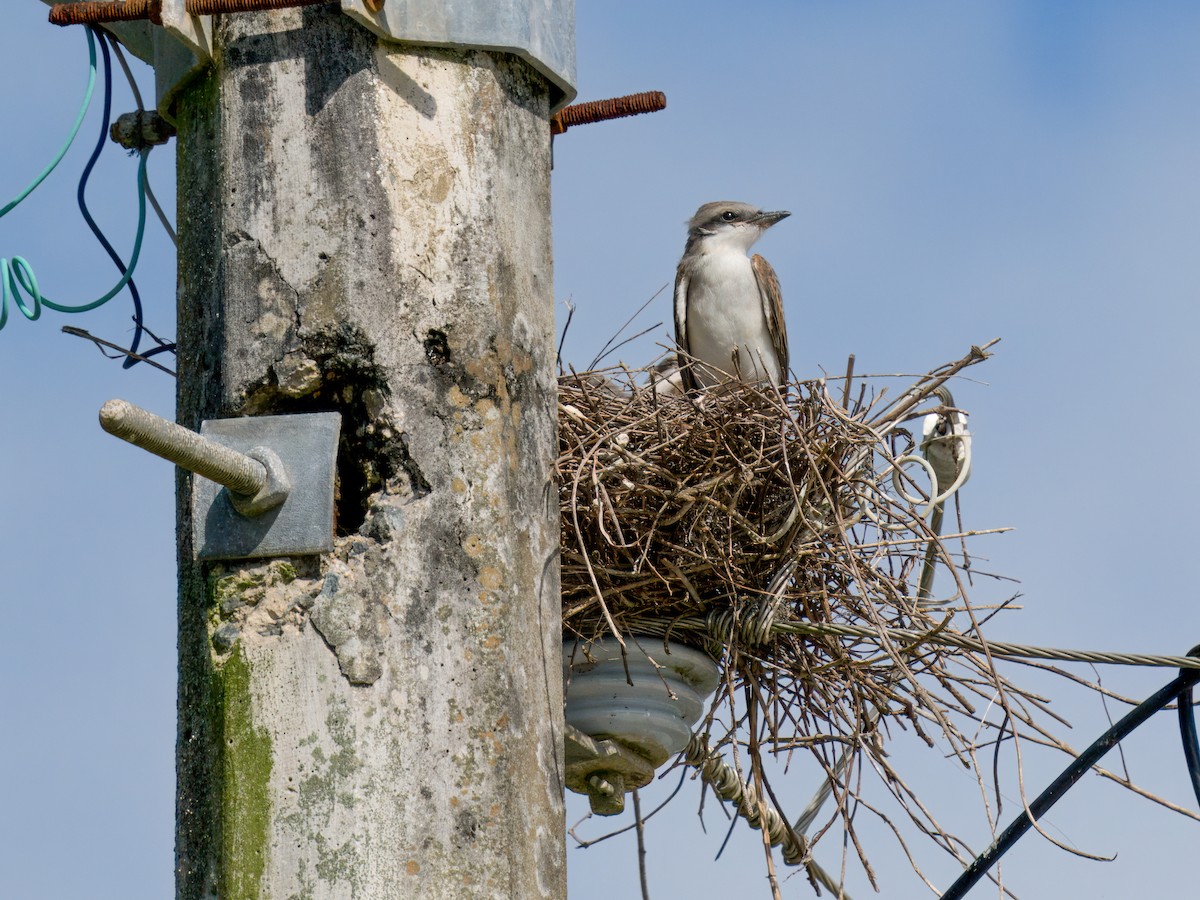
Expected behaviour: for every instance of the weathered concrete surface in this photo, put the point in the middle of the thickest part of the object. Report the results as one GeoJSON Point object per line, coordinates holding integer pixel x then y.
{"type": "Point", "coordinates": [367, 230]}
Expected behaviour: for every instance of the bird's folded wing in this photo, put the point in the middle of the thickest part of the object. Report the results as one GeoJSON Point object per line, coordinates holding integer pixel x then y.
{"type": "Point", "coordinates": [685, 368]}
{"type": "Point", "coordinates": [772, 305]}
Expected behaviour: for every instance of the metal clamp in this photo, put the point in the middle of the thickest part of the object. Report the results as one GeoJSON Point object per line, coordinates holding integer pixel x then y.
{"type": "Point", "coordinates": [603, 770]}
{"type": "Point", "coordinates": [194, 31]}
{"type": "Point", "coordinates": [266, 483]}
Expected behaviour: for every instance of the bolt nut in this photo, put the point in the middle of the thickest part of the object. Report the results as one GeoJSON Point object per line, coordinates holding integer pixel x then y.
{"type": "Point", "coordinates": [606, 793]}
{"type": "Point", "coordinates": [274, 490]}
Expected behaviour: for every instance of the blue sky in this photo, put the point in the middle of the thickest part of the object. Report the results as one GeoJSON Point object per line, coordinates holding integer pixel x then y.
{"type": "Point", "coordinates": [956, 172]}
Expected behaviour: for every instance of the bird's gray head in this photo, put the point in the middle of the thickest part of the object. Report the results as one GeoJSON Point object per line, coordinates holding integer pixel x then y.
{"type": "Point", "coordinates": [731, 222]}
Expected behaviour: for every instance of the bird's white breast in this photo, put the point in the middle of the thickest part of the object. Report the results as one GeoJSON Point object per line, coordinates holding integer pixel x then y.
{"type": "Point", "coordinates": [724, 312]}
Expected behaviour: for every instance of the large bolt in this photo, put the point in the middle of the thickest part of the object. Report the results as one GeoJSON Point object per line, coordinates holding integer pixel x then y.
{"type": "Point", "coordinates": [256, 481]}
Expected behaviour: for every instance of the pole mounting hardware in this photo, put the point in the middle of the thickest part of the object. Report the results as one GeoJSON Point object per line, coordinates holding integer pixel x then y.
{"type": "Point", "coordinates": [603, 770]}
{"type": "Point", "coordinates": [264, 485]}
{"type": "Point", "coordinates": [540, 32]}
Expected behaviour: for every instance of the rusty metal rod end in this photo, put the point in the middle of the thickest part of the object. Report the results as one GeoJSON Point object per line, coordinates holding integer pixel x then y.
{"type": "Point", "coordinates": [96, 12]}
{"type": "Point", "coordinates": [603, 110]}
{"type": "Point", "coordinates": [215, 7]}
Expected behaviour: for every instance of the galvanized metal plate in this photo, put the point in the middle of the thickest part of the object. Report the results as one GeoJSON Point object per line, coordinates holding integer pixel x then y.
{"type": "Point", "coordinates": [194, 31]}
{"type": "Point", "coordinates": [541, 32]}
{"type": "Point", "coordinates": [303, 524]}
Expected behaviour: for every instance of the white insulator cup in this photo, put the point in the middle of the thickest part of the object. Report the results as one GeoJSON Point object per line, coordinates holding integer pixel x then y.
{"type": "Point", "coordinates": [643, 716]}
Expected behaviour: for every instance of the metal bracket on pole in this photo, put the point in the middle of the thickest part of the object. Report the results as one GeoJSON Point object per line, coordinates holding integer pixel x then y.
{"type": "Point", "coordinates": [177, 51]}
{"type": "Point", "coordinates": [194, 31]}
{"type": "Point", "coordinates": [264, 484]}
{"type": "Point", "coordinates": [540, 32]}
{"type": "Point", "coordinates": [135, 36]}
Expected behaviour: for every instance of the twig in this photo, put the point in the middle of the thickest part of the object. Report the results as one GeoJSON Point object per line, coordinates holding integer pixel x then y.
{"type": "Point", "coordinates": [641, 843]}
{"type": "Point", "coordinates": [101, 344]}
{"type": "Point", "coordinates": [604, 351]}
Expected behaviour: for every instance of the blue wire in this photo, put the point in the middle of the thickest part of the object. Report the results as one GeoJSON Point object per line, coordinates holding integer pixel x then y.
{"type": "Point", "coordinates": [81, 200]}
{"type": "Point", "coordinates": [91, 223]}
{"type": "Point", "coordinates": [17, 275]}
{"type": "Point", "coordinates": [133, 257]}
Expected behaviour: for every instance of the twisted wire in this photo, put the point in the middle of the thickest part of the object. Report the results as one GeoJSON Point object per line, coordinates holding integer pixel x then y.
{"type": "Point", "coordinates": [753, 630]}
{"type": "Point", "coordinates": [728, 785]}
{"type": "Point", "coordinates": [719, 624]}
{"type": "Point", "coordinates": [997, 648]}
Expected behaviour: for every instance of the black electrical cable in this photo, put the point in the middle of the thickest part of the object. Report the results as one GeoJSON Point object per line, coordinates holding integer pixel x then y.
{"type": "Point", "coordinates": [139, 328]}
{"type": "Point", "coordinates": [80, 197]}
{"type": "Point", "coordinates": [1187, 731]}
{"type": "Point", "coordinates": [1176, 690]}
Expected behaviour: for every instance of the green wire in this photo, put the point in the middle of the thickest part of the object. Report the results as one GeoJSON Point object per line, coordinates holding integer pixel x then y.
{"type": "Point", "coordinates": [87, 99]}
{"type": "Point", "coordinates": [133, 258]}
{"type": "Point", "coordinates": [17, 275]}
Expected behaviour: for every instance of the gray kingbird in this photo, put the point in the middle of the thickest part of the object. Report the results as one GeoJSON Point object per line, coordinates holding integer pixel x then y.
{"type": "Point", "coordinates": [728, 308]}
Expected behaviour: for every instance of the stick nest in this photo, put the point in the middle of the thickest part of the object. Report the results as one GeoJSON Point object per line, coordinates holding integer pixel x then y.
{"type": "Point", "coordinates": [724, 520]}
{"type": "Point", "coordinates": [736, 520]}
{"type": "Point", "coordinates": [754, 523]}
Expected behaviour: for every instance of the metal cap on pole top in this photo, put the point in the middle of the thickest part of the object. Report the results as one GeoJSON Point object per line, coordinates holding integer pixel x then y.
{"type": "Point", "coordinates": [175, 36]}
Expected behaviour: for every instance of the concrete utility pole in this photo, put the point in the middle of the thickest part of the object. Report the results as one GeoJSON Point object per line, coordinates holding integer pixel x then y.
{"type": "Point", "coordinates": [365, 227]}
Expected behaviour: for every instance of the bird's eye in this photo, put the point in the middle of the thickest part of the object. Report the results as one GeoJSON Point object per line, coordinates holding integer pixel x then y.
{"type": "Point", "coordinates": [729, 215]}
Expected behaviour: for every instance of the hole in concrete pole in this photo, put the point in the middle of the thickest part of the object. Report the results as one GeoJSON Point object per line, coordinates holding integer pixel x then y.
{"type": "Point", "coordinates": [336, 372]}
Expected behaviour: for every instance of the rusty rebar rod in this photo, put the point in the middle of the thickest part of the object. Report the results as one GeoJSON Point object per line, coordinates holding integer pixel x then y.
{"type": "Point", "coordinates": [93, 13]}
{"type": "Point", "coordinates": [213, 7]}
{"type": "Point", "coordinates": [603, 110]}
{"type": "Point", "coordinates": [96, 12]}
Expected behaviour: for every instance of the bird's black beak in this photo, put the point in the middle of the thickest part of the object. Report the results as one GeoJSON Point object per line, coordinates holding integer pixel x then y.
{"type": "Point", "coordinates": [765, 220]}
